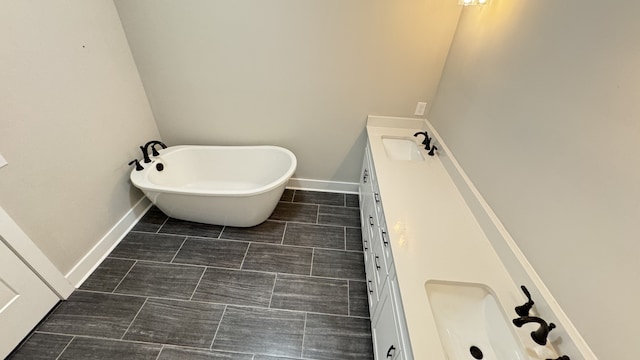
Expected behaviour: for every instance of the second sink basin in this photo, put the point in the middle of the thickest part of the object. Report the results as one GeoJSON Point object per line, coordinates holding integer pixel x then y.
{"type": "Point", "coordinates": [398, 148]}
{"type": "Point", "coordinates": [471, 323]}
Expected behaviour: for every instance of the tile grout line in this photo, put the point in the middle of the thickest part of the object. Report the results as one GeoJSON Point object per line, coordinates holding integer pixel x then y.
{"type": "Point", "coordinates": [218, 327]}
{"type": "Point", "coordinates": [163, 224]}
{"type": "Point", "coordinates": [180, 248]}
{"type": "Point", "coordinates": [313, 252]}
{"type": "Point", "coordinates": [345, 238]}
{"type": "Point", "coordinates": [245, 256]}
{"type": "Point", "coordinates": [66, 346]}
{"type": "Point", "coordinates": [348, 298]}
{"type": "Point", "coordinates": [160, 352]}
{"type": "Point", "coordinates": [284, 231]}
{"type": "Point", "coordinates": [304, 330]}
{"type": "Point", "coordinates": [125, 275]}
{"type": "Point", "coordinates": [134, 319]}
{"type": "Point", "coordinates": [198, 284]}
{"type": "Point", "coordinates": [95, 337]}
{"type": "Point", "coordinates": [273, 289]}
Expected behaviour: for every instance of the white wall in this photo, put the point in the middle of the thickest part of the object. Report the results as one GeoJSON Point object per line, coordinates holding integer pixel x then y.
{"type": "Point", "coordinates": [72, 114]}
{"type": "Point", "coordinates": [300, 74]}
{"type": "Point", "coordinates": [539, 101]}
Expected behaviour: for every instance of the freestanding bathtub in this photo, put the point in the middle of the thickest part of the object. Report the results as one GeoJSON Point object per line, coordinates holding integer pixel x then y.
{"type": "Point", "coordinates": [222, 185]}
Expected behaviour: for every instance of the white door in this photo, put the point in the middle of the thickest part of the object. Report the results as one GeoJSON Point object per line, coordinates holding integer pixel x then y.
{"type": "Point", "coordinates": [24, 299]}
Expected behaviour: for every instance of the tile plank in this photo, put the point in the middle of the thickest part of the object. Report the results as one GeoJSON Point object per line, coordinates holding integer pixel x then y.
{"type": "Point", "coordinates": [212, 252]}
{"type": "Point", "coordinates": [278, 258]}
{"type": "Point", "coordinates": [93, 314]}
{"type": "Point", "coordinates": [176, 322]}
{"type": "Point", "coordinates": [262, 331]}
{"type": "Point", "coordinates": [305, 293]}
{"type": "Point", "coordinates": [235, 287]}
{"type": "Point", "coordinates": [161, 280]}
{"type": "Point", "coordinates": [337, 337]}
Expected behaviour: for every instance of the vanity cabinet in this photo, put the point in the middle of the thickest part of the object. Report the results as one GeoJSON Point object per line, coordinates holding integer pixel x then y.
{"type": "Point", "coordinates": [388, 326]}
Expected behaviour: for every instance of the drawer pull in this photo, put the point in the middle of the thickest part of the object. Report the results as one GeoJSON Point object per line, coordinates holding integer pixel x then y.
{"type": "Point", "coordinates": [384, 237]}
{"type": "Point", "coordinates": [391, 351]}
{"type": "Point", "coordinates": [377, 197]}
{"type": "Point", "coordinates": [365, 176]}
{"type": "Point", "coordinates": [365, 245]}
{"type": "Point", "coordinates": [376, 261]}
{"type": "Point", "coordinates": [369, 287]}
{"type": "Point", "coordinates": [370, 220]}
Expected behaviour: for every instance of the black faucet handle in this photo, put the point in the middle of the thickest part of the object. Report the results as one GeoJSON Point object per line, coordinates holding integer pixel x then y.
{"type": "Point", "coordinates": [433, 150]}
{"type": "Point", "coordinates": [523, 310]}
{"type": "Point", "coordinates": [563, 357]}
{"type": "Point", "coordinates": [138, 166]}
{"type": "Point", "coordinates": [427, 143]}
{"type": "Point", "coordinates": [145, 154]}
{"type": "Point", "coordinates": [540, 335]}
{"type": "Point", "coordinates": [154, 151]}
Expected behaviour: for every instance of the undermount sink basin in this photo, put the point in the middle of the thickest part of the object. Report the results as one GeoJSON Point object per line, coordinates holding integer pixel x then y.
{"type": "Point", "coordinates": [471, 322]}
{"type": "Point", "coordinates": [401, 149]}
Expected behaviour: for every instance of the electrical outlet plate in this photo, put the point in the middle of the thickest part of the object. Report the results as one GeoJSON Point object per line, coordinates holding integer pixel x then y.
{"type": "Point", "coordinates": [420, 108]}
{"type": "Point", "coordinates": [3, 162]}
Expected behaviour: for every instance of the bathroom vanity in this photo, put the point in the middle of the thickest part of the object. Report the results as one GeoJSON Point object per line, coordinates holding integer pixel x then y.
{"type": "Point", "coordinates": [435, 282]}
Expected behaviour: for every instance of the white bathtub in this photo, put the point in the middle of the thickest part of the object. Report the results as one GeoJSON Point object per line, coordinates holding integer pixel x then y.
{"type": "Point", "coordinates": [223, 185]}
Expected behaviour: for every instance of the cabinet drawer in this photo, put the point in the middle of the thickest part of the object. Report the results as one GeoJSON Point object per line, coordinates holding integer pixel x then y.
{"type": "Point", "coordinates": [379, 269]}
{"type": "Point", "coordinates": [386, 342]}
{"type": "Point", "coordinates": [385, 246]}
{"type": "Point", "coordinates": [401, 322]}
{"type": "Point", "coordinates": [372, 288]}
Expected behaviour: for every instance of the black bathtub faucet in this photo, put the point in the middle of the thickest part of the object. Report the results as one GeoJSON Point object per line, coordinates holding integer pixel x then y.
{"type": "Point", "coordinates": [145, 149]}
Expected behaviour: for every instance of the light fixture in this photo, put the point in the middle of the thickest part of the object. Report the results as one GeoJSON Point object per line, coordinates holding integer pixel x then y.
{"type": "Point", "coordinates": [472, 2]}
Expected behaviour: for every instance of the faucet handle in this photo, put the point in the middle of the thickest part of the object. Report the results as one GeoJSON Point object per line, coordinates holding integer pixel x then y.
{"type": "Point", "coordinates": [154, 152]}
{"type": "Point", "coordinates": [433, 150]}
{"type": "Point", "coordinates": [138, 166]}
{"type": "Point", "coordinates": [563, 357]}
{"type": "Point", "coordinates": [523, 310]}
{"type": "Point", "coordinates": [540, 335]}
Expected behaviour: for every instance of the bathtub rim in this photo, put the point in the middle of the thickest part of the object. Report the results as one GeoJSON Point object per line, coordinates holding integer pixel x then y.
{"type": "Point", "coordinates": [140, 178]}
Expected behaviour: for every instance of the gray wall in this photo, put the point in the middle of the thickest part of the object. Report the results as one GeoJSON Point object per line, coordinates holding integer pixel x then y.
{"type": "Point", "coordinates": [72, 113]}
{"type": "Point", "coordinates": [299, 74]}
{"type": "Point", "coordinates": [539, 101]}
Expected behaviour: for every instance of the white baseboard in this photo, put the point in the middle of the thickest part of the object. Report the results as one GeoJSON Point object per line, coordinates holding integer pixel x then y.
{"type": "Point", "coordinates": [20, 243]}
{"type": "Point", "coordinates": [99, 252]}
{"type": "Point", "coordinates": [321, 185]}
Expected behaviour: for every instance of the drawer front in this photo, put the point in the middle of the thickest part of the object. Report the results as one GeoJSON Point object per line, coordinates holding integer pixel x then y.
{"type": "Point", "coordinates": [386, 342]}
{"type": "Point", "coordinates": [401, 327]}
{"type": "Point", "coordinates": [373, 294]}
{"type": "Point", "coordinates": [379, 272]}
{"type": "Point", "coordinates": [385, 245]}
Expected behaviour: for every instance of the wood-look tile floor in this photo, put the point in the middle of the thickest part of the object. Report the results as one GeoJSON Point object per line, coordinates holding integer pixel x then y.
{"type": "Point", "coordinates": [290, 288]}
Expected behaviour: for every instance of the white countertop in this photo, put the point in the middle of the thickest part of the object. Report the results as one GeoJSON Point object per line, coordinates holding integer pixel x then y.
{"type": "Point", "coordinates": [434, 236]}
